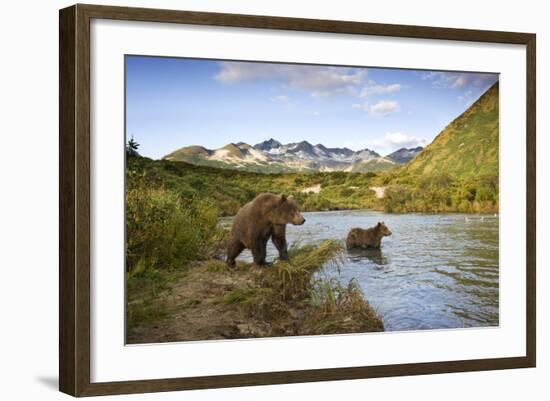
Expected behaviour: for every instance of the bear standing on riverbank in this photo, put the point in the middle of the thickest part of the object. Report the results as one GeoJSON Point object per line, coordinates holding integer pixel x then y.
{"type": "Point", "coordinates": [266, 216]}
{"type": "Point", "coordinates": [369, 238]}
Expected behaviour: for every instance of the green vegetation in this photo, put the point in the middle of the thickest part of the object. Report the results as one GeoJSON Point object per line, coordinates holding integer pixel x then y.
{"type": "Point", "coordinates": [143, 288]}
{"type": "Point", "coordinates": [163, 229]}
{"type": "Point", "coordinates": [374, 166]}
{"type": "Point", "coordinates": [227, 190]}
{"type": "Point", "coordinates": [443, 193]}
{"type": "Point", "coordinates": [132, 147]}
{"type": "Point", "coordinates": [457, 172]}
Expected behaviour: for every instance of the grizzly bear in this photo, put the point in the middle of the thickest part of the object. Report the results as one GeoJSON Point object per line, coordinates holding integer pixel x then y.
{"type": "Point", "coordinates": [266, 216]}
{"type": "Point", "coordinates": [369, 238]}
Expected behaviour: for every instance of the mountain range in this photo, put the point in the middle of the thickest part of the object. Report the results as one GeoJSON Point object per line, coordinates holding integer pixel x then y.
{"type": "Point", "coordinates": [271, 156]}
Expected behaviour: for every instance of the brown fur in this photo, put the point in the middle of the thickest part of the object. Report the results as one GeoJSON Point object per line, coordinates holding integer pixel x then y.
{"type": "Point", "coordinates": [265, 217]}
{"type": "Point", "coordinates": [369, 238]}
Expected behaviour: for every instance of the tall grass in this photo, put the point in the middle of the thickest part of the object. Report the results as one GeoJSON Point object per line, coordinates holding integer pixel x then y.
{"type": "Point", "coordinates": [293, 279]}
{"type": "Point", "coordinates": [164, 232]}
{"type": "Point", "coordinates": [290, 288]}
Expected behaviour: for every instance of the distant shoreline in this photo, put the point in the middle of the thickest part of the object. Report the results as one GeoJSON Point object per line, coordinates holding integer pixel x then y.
{"type": "Point", "coordinates": [484, 214]}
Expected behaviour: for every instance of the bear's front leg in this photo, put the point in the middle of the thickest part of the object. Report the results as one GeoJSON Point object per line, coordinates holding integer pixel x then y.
{"type": "Point", "coordinates": [279, 240]}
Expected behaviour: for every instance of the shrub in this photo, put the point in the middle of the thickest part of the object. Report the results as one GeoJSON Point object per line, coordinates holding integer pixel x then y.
{"type": "Point", "coordinates": [316, 202]}
{"type": "Point", "coordinates": [396, 197]}
{"type": "Point", "coordinates": [163, 231]}
{"type": "Point", "coordinates": [346, 192]}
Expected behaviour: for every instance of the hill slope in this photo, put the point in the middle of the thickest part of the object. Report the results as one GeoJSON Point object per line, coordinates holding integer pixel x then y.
{"type": "Point", "coordinates": [467, 146]}
{"type": "Point", "coordinates": [458, 171]}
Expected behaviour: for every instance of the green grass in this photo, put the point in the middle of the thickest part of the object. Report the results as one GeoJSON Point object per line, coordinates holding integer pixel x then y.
{"type": "Point", "coordinates": [215, 265]}
{"type": "Point", "coordinates": [143, 287]}
{"type": "Point", "coordinates": [339, 308]}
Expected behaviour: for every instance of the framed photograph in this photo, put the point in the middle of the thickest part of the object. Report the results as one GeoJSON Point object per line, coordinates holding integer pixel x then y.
{"type": "Point", "coordinates": [249, 200]}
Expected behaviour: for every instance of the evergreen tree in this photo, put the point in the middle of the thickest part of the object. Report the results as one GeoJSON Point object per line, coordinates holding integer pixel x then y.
{"type": "Point", "coordinates": [132, 147]}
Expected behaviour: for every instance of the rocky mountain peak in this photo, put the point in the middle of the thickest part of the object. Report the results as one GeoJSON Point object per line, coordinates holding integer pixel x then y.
{"type": "Point", "coordinates": [267, 145]}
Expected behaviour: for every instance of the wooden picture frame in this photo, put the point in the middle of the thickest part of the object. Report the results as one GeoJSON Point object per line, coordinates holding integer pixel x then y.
{"type": "Point", "coordinates": [74, 203]}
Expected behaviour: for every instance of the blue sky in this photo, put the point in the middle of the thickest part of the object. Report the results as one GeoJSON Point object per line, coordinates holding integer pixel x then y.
{"type": "Point", "coordinates": [176, 102]}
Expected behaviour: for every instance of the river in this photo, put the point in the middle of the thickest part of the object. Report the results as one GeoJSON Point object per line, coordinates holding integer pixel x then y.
{"type": "Point", "coordinates": [436, 270]}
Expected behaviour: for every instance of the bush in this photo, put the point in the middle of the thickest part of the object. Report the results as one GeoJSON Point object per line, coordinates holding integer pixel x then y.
{"type": "Point", "coordinates": [163, 231]}
{"type": "Point", "coordinates": [443, 193]}
{"type": "Point", "coordinates": [396, 198]}
{"type": "Point", "coordinates": [316, 202]}
{"type": "Point", "coordinates": [346, 192]}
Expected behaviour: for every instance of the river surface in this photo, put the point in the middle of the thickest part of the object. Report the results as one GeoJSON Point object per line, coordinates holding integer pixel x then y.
{"type": "Point", "coordinates": [436, 270]}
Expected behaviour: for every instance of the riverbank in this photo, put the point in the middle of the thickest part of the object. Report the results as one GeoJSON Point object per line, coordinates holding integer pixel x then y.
{"type": "Point", "coordinates": [208, 301]}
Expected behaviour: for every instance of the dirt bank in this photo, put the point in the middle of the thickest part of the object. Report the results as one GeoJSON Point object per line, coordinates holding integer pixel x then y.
{"type": "Point", "coordinates": [209, 301]}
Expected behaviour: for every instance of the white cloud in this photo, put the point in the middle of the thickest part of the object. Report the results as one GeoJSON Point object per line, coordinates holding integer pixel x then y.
{"type": "Point", "coordinates": [444, 80]}
{"type": "Point", "coordinates": [391, 141]}
{"type": "Point", "coordinates": [380, 109]}
{"type": "Point", "coordinates": [431, 75]}
{"type": "Point", "coordinates": [384, 107]}
{"type": "Point", "coordinates": [375, 89]}
{"type": "Point", "coordinates": [459, 80]}
{"type": "Point", "coordinates": [319, 81]}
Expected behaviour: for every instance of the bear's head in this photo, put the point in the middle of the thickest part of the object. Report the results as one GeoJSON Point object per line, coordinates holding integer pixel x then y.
{"type": "Point", "coordinates": [287, 211]}
{"type": "Point", "coordinates": [383, 229]}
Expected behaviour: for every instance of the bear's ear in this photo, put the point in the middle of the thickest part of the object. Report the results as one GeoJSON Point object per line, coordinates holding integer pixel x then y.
{"type": "Point", "coordinates": [378, 225]}
{"type": "Point", "coordinates": [283, 198]}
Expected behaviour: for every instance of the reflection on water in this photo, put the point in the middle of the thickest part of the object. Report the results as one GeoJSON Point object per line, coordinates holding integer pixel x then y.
{"type": "Point", "coordinates": [375, 256]}
{"type": "Point", "coordinates": [435, 271]}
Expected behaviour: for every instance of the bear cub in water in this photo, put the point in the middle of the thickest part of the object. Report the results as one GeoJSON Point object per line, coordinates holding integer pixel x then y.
{"type": "Point", "coordinates": [369, 238]}
{"type": "Point", "coordinates": [265, 217]}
